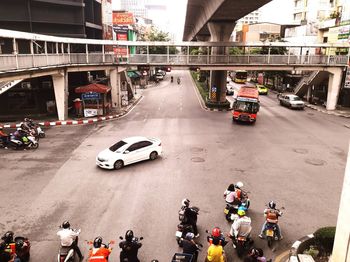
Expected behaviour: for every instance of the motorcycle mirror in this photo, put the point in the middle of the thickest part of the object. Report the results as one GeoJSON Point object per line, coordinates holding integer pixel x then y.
{"type": "Point", "coordinates": [120, 237]}
{"type": "Point", "coordinates": [141, 238]}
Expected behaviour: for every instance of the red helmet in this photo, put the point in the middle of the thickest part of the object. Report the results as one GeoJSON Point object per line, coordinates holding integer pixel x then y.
{"type": "Point", "coordinates": [216, 232]}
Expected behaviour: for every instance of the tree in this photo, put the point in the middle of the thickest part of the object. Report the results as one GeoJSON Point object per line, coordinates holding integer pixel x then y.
{"type": "Point", "coordinates": [153, 34]}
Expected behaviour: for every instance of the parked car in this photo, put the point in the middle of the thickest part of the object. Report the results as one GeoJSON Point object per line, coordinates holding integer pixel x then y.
{"type": "Point", "coordinates": [262, 89]}
{"type": "Point", "coordinates": [159, 76]}
{"type": "Point", "coordinates": [229, 90]}
{"type": "Point", "coordinates": [163, 72]}
{"type": "Point", "coordinates": [291, 101]}
{"type": "Point", "coordinates": [129, 150]}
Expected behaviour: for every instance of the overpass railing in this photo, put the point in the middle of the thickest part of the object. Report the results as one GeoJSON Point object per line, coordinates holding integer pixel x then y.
{"type": "Point", "coordinates": [21, 51]}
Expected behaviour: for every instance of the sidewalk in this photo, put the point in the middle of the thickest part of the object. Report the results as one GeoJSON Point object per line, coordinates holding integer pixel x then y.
{"type": "Point", "coordinates": [80, 121]}
{"type": "Point", "coordinates": [340, 111]}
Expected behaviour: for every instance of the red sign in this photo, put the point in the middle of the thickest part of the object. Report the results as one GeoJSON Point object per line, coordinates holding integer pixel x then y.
{"type": "Point", "coordinates": [120, 51]}
{"type": "Point", "coordinates": [123, 18]}
{"type": "Point", "coordinates": [122, 37]}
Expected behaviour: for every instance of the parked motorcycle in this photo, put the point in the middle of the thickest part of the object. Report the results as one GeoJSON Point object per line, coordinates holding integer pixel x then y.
{"type": "Point", "coordinates": [67, 254]}
{"type": "Point", "coordinates": [230, 210]}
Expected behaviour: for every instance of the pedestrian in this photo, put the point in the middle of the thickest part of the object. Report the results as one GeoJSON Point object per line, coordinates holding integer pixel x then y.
{"type": "Point", "coordinates": [78, 107]}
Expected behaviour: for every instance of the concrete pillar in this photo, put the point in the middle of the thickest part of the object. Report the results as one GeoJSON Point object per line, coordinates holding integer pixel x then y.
{"type": "Point", "coordinates": [220, 32]}
{"type": "Point", "coordinates": [334, 82]}
{"type": "Point", "coordinates": [114, 77]}
{"type": "Point", "coordinates": [60, 85]}
{"type": "Point", "coordinates": [341, 248]}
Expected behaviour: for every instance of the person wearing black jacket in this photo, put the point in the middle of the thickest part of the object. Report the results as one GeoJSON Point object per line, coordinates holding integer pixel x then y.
{"type": "Point", "coordinates": [190, 216]}
{"type": "Point", "coordinates": [190, 247]}
{"type": "Point", "coordinates": [130, 248]}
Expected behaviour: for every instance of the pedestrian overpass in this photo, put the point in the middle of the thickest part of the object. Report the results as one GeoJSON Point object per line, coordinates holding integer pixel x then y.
{"type": "Point", "coordinates": [25, 55]}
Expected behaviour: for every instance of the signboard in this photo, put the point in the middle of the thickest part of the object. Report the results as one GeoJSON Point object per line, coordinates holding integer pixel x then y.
{"type": "Point", "coordinates": [90, 95]}
{"type": "Point", "coordinates": [122, 37]}
{"type": "Point", "coordinates": [120, 51]}
{"type": "Point", "coordinates": [347, 78]}
{"type": "Point", "coordinates": [88, 112]}
{"type": "Point", "coordinates": [120, 29]}
{"type": "Point", "coordinates": [123, 18]}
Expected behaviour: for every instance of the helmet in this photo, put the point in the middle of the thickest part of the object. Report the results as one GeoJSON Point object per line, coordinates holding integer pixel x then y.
{"type": "Point", "coordinates": [8, 237]}
{"type": "Point", "coordinates": [97, 242]}
{"type": "Point", "coordinates": [241, 212]}
{"type": "Point", "coordinates": [185, 202]}
{"type": "Point", "coordinates": [242, 207]}
{"type": "Point", "coordinates": [239, 185]}
{"type": "Point", "coordinates": [66, 224]}
{"type": "Point", "coordinates": [216, 232]}
{"type": "Point", "coordinates": [129, 235]}
{"type": "Point", "coordinates": [189, 236]}
{"type": "Point", "coordinates": [272, 205]}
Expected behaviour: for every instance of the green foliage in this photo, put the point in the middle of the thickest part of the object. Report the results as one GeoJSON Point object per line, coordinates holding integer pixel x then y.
{"type": "Point", "coordinates": [325, 237]}
{"type": "Point", "coordinates": [312, 251]}
{"type": "Point", "coordinates": [155, 35]}
{"type": "Point", "coordinates": [202, 86]}
{"type": "Point", "coordinates": [236, 50]}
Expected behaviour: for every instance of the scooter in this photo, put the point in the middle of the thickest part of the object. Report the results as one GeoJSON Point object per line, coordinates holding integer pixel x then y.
{"type": "Point", "coordinates": [21, 247]}
{"type": "Point", "coordinates": [230, 210]}
{"type": "Point", "coordinates": [178, 81]}
{"type": "Point", "coordinates": [270, 232]}
{"type": "Point", "coordinates": [123, 254]}
{"type": "Point", "coordinates": [183, 228]}
{"type": "Point", "coordinates": [27, 142]}
{"type": "Point", "coordinates": [67, 254]}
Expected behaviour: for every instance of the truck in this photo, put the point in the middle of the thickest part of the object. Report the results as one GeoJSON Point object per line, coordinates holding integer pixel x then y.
{"type": "Point", "coordinates": [246, 104]}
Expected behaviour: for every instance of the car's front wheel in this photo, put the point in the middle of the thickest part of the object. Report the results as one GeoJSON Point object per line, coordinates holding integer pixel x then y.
{"type": "Point", "coordinates": [118, 164]}
{"type": "Point", "coordinates": [153, 155]}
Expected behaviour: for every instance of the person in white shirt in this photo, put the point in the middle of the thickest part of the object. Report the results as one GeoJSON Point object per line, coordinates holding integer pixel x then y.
{"type": "Point", "coordinates": [69, 238]}
{"type": "Point", "coordinates": [241, 226]}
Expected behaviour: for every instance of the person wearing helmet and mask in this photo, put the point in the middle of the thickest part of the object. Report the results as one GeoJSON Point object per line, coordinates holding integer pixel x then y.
{"type": "Point", "coordinates": [69, 238]}
{"type": "Point", "coordinates": [129, 248]}
{"type": "Point", "coordinates": [241, 226]}
{"type": "Point", "coordinates": [217, 235]}
{"type": "Point", "coordinates": [190, 215]}
{"type": "Point", "coordinates": [215, 252]}
{"type": "Point", "coordinates": [271, 215]}
{"type": "Point", "coordinates": [189, 246]}
{"type": "Point", "coordinates": [99, 252]}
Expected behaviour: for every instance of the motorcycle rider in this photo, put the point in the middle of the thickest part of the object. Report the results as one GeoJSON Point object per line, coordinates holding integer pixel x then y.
{"type": "Point", "coordinates": [189, 246]}
{"type": "Point", "coordinates": [178, 80]}
{"type": "Point", "coordinates": [241, 227]}
{"type": "Point", "coordinates": [129, 248]}
{"type": "Point", "coordinates": [69, 238]}
{"type": "Point", "coordinates": [215, 252]}
{"type": "Point", "coordinates": [171, 79]}
{"type": "Point", "coordinates": [272, 214]}
{"type": "Point", "coordinates": [217, 235]}
{"type": "Point", "coordinates": [4, 137]}
{"type": "Point", "coordinates": [256, 255]}
{"type": "Point", "coordinates": [5, 255]}
{"type": "Point", "coordinates": [190, 216]}
{"type": "Point", "coordinates": [100, 252]}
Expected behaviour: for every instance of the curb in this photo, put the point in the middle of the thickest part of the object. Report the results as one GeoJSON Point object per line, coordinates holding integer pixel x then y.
{"type": "Point", "coordinates": [79, 122]}
{"type": "Point", "coordinates": [326, 111]}
{"type": "Point", "coordinates": [293, 251]}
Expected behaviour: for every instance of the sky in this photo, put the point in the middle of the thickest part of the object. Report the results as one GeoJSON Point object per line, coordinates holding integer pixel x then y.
{"type": "Point", "coordinates": [173, 19]}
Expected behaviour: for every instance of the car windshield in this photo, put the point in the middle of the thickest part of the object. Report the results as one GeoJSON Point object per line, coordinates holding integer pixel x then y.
{"type": "Point", "coordinates": [295, 98]}
{"type": "Point", "coordinates": [117, 145]}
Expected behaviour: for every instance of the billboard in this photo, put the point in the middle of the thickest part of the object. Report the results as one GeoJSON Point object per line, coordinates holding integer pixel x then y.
{"type": "Point", "coordinates": [123, 18]}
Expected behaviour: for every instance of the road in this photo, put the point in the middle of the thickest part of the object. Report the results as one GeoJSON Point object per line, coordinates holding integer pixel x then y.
{"type": "Point", "coordinates": [296, 158]}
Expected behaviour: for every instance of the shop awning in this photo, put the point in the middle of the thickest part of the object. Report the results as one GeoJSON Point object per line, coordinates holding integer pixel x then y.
{"type": "Point", "coordinates": [97, 88]}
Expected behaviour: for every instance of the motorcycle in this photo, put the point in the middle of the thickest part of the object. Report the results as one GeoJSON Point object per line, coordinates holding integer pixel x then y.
{"type": "Point", "coordinates": [222, 239]}
{"type": "Point", "coordinates": [230, 210]}
{"type": "Point", "coordinates": [37, 129]}
{"type": "Point", "coordinates": [242, 244]}
{"type": "Point", "coordinates": [27, 142]}
{"type": "Point", "coordinates": [21, 247]}
{"type": "Point", "coordinates": [270, 232]}
{"type": "Point", "coordinates": [171, 79]}
{"type": "Point", "coordinates": [178, 81]}
{"type": "Point", "coordinates": [67, 254]}
{"type": "Point", "coordinates": [123, 255]}
{"type": "Point", "coordinates": [183, 228]}
{"type": "Point", "coordinates": [90, 243]}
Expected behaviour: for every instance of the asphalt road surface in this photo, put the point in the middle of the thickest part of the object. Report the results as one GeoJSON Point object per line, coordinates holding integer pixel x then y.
{"type": "Point", "coordinates": [296, 158]}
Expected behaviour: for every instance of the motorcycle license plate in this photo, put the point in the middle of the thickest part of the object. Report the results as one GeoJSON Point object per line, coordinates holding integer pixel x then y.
{"type": "Point", "coordinates": [178, 234]}
{"type": "Point", "coordinates": [226, 211]}
{"type": "Point", "coordinates": [269, 233]}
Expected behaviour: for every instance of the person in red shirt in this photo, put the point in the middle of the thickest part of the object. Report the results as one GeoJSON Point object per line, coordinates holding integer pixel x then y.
{"type": "Point", "coordinates": [78, 107]}
{"type": "Point", "coordinates": [100, 252]}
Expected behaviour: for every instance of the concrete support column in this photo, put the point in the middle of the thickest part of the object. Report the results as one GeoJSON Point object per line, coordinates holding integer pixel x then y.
{"type": "Point", "coordinates": [334, 82]}
{"type": "Point", "coordinates": [115, 88]}
{"type": "Point", "coordinates": [60, 85]}
{"type": "Point", "coordinates": [220, 32]}
{"type": "Point", "coordinates": [341, 248]}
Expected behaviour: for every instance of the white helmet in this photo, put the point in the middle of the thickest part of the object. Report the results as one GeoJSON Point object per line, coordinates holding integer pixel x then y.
{"type": "Point", "coordinates": [185, 202]}
{"type": "Point", "coordinates": [239, 185]}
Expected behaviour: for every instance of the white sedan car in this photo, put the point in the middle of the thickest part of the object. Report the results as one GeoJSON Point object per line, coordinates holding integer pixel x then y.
{"type": "Point", "coordinates": [128, 151]}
